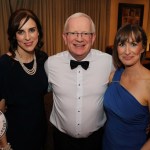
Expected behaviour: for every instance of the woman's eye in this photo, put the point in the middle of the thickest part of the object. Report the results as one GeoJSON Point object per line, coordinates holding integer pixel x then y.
{"type": "Point", "coordinates": [20, 32]}
{"type": "Point", "coordinates": [133, 44]}
{"type": "Point", "coordinates": [32, 30]}
{"type": "Point", "coordinates": [120, 44]}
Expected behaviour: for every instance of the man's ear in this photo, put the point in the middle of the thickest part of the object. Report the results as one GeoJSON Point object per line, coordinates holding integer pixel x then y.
{"type": "Point", "coordinates": [93, 38]}
{"type": "Point", "coordinates": [65, 38]}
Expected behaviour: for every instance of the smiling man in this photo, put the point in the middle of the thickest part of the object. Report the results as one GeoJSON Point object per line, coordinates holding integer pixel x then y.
{"type": "Point", "coordinates": [78, 78]}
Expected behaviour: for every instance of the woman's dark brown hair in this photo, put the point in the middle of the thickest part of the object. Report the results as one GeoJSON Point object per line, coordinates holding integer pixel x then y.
{"type": "Point", "coordinates": [124, 33]}
{"type": "Point", "coordinates": [13, 27]}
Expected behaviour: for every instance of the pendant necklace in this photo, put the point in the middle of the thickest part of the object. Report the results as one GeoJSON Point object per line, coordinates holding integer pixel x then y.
{"type": "Point", "coordinates": [31, 71]}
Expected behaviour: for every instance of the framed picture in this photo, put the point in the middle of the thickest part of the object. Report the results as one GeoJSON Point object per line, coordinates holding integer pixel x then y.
{"type": "Point", "coordinates": [130, 13]}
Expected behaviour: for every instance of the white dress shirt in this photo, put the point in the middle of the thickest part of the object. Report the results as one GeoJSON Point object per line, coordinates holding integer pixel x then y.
{"type": "Point", "coordinates": [78, 93]}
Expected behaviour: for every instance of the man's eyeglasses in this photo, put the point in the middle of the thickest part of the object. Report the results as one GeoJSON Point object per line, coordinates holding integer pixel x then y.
{"type": "Point", "coordinates": [76, 34]}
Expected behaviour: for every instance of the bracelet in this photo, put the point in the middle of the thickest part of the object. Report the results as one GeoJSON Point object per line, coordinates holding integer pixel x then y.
{"type": "Point", "coordinates": [7, 147]}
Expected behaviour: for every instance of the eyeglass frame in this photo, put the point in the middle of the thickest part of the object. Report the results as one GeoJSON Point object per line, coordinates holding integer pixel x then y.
{"type": "Point", "coordinates": [76, 34]}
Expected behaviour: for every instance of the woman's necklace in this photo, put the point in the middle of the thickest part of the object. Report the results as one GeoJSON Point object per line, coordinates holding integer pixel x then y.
{"type": "Point", "coordinates": [31, 71]}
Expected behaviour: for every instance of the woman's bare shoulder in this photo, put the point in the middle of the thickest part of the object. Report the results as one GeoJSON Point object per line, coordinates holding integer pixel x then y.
{"type": "Point", "coordinates": [111, 76]}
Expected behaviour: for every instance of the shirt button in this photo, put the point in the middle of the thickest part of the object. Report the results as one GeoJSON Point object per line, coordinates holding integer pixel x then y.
{"type": "Point", "coordinates": [78, 110]}
{"type": "Point", "coordinates": [78, 84]}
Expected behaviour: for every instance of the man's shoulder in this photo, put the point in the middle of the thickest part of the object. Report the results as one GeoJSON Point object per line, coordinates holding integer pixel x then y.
{"type": "Point", "coordinates": [98, 53]}
{"type": "Point", "coordinates": [59, 54]}
{"type": "Point", "coordinates": [57, 58]}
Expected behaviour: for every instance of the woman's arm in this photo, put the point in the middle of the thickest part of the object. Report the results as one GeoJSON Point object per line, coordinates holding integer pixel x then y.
{"type": "Point", "coordinates": [2, 105]}
{"type": "Point", "coordinates": [3, 141]}
{"type": "Point", "coordinates": [146, 146]}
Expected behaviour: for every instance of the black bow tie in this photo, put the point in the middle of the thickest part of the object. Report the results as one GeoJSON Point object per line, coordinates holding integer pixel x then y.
{"type": "Point", "coordinates": [74, 64]}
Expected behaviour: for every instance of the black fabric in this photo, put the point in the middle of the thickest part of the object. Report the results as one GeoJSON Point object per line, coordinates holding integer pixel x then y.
{"type": "Point", "coordinates": [65, 142]}
{"type": "Point", "coordinates": [74, 64]}
{"type": "Point", "coordinates": [24, 95]}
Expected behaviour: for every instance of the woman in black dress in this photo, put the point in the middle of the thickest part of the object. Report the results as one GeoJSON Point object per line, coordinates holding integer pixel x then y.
{"type": "Point", "coordinates": [23, 83]}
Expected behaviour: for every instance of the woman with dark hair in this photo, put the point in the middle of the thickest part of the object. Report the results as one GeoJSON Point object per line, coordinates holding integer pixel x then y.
{"type": "Point", "coordinates": [127, 99]}
{"type": "Point", "coordinates": [23, 83]}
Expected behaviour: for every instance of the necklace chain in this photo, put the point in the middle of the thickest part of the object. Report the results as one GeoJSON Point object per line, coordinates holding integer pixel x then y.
{"type": "Point", "coordinates": [31, 71]}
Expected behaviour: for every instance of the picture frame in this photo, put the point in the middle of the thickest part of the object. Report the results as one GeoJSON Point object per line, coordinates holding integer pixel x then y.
{"type": "Point", "coordinates": [130, 13]}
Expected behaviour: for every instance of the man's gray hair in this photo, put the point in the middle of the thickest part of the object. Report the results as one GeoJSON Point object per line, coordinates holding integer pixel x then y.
{"type": "Point", "coordinates": [80, 14]}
